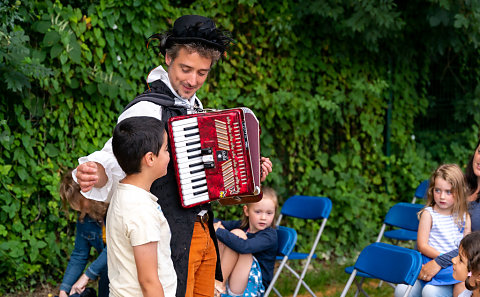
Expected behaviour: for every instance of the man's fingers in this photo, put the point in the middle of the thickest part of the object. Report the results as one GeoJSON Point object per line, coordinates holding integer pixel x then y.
{"type": "Point", "coordinates": [86, 177]}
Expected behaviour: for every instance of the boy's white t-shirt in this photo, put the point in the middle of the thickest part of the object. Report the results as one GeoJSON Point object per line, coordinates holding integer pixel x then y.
{"type": "Point", "coordinates": [135, 218]}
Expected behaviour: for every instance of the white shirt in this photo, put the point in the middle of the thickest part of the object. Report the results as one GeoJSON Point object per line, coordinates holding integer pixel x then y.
{"type": "Point", "coordinates": [106, 157]}
{"type": "Point", "coordinates": [134, 218]}
{"type": "Point", "coordinates": [445, 234]}
{"type": "Point", "coordinates": [465, 293]}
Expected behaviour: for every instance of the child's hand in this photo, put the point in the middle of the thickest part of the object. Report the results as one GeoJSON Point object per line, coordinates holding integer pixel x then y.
{"type": "Point", "coordinates": [80, 285]}
{"type": "Point", "coordinates": [218, 225]}
{"type": "Point", "coordinates": [62, 294]}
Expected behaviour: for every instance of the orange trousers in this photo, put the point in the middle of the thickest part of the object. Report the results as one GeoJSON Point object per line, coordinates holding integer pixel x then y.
{"type": "Point", "coordinates": [202, 262]}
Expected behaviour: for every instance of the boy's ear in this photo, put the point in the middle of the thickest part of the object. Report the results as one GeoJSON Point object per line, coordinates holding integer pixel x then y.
{"type": "Point", "coordinates": [149, 158]}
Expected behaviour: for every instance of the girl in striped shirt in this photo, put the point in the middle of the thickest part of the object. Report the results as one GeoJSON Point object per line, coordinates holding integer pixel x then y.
{"type": "Point", "coordinates": [443, 222]}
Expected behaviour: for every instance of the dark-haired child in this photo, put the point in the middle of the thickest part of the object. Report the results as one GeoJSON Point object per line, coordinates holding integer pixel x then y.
{"type": "Point", "coordinates": [138, 235]}
{"type": "Point", "coordinates": [466, 266]}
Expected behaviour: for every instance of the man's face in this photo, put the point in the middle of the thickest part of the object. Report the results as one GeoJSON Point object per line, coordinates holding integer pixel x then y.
{"type": "Point", "coordinates": [187, 72]}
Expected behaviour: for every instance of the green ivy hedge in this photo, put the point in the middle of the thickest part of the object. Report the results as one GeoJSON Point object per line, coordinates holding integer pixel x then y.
{"type": "Point", "coordinates": [336, 85]}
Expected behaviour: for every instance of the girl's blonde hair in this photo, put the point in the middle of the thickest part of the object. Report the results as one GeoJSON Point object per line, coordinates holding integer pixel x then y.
{"type": "Point", "coordinates": [71, 196]}
{"type": "Point", "coordinates": [452, 174]}
{"type": "Point", "coordinates": [268, 193]}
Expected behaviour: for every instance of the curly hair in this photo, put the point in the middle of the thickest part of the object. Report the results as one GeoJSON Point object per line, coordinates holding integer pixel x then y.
{"type": "Point", "coordinates": [195, 47]}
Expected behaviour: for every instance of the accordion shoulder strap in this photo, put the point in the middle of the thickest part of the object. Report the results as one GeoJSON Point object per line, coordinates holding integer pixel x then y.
{"type": "Point", "coordinates": [159, 99]}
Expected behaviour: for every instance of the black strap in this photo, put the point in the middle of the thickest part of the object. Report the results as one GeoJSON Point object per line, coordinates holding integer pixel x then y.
{"type": "Point", "coordinates": [160, 99]}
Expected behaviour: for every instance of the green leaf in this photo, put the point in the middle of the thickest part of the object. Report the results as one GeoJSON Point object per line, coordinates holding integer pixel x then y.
{"type": "Point", "coordinates": [22, 173]}
{"type": "Point", "coordinates": [5, 169]}
{"type": "Point", "coordinates": [51, 38]}
{"type": "Point", "coordinates": [56, 50]}
{"type": "Point", "coordinates": [42, 26]}
{"type": "Point", "coordinates": [75, 52]}
{"type": "Point", "coordinates": [51, 150]}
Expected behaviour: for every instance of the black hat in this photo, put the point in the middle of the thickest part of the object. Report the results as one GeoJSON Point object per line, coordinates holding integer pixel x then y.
{"type": "Point", "coordinates": [193, 28]}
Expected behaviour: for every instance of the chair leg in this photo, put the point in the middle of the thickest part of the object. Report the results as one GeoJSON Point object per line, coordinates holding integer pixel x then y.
{"type": "Point", "coordinates": [312, 251]}
{"type": "Point", "coordinates": [349, 283]}
{"type": "Point", "coordinates": [275, 277]}
{"type": "Point", "coordinates": [302, 282]}
{"type": "Point", "coordinates": [360, 288]}
{"type": "Point", "coordinates": [407, 292]}
{"type": "Point", "coordinates": [277, 292]}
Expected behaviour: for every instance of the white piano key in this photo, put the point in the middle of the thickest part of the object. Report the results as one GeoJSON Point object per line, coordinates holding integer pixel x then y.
{"type": "Point", "coordinates": [190, 170]}
{"type": "Point", "coordinates": [184, 128]}
{"type": "Point", "coordinates": [185, 163]}
{"type": "Point", "coordinates": [186, 138]}
{"type": "Point", "coordinates": [193, 185]}
{"type": "Point", "coordinates": [184, 122]}
{"type": "Point", "coordinates": [187, 177]}
{"type": "Point", "coordinates": [191, 199]}
{"type": "Point", "coordinates": [187, 191]}
{"type": "Point", "coordinates": [184, 154]}
{"type": "Point", "coordinates": [183, 149]}
{"type": "Point", "coordinates": [182, 133]}
{"type": "Point", "coordinates": [183, 146]}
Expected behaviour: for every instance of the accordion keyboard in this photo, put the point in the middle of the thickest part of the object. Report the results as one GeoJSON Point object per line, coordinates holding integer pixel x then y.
{"type": "Point", "coordinates": [191, 168]}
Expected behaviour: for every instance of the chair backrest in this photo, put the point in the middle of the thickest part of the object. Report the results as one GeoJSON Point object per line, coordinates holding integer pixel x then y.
{"type": "Point", "coordinates": [390, 263]}
{"type": "Point", "coordinates": [403, 215]}
{"type": "Point", "coordinates": [307, 207]}
{"type": "Point", "coordinates": [287, 238]}
{"type": "Point", "coordinates": [421, 191]}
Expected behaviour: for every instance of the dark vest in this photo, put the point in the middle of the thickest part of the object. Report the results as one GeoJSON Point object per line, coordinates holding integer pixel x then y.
{"type": "Point", "coordinates": [181, 220]}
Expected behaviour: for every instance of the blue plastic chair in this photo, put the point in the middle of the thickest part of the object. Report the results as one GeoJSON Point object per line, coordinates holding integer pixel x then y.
{"type": "Point", "coordinates": [404, 217]}
{"type": "Point", "coordinates": [308, 208]}
{"type": "Point", "coordinates": [389, 263]}
{"type": "Point", "coordinates": [287, 238]}
{"type": "Point", "coordinates": [421, 191]}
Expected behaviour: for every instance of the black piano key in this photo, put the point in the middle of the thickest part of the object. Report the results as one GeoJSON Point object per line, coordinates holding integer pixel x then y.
{"type": "Point", "coordinates": [197, 171]}
{"type": "Point", "coordinates": [194, 156]}
{"type": "Point", "coordinates": [193, 142]}
{"type": "Point", "coordinates": [190, 128]}
{"type": "Point", "coordinates": [199, 192]}
{"type": "Point", "coordinates": [192, 150]}
{"type": "Point", "coordinates": [191, 134]}
{"type": "Point", "coordinates": [197, 179]}
{"type": "Point", "coordinates": [195, 165]}
{"type": "Point", "coordinates": [199, 186]}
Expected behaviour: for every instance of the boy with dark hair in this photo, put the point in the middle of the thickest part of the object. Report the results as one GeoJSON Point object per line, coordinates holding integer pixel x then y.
{"type": "Point", "coordinates": [138, 235]}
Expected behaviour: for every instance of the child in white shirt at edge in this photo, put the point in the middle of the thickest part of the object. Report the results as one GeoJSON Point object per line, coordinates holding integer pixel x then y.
{"type": "Point", "coordinates": [466, 266]}
{"type": "Point", "coordinates": [138, 235]}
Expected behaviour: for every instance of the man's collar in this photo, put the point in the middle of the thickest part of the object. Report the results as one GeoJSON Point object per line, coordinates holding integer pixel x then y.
{"type": "Point", "coordinates": [159, 73]}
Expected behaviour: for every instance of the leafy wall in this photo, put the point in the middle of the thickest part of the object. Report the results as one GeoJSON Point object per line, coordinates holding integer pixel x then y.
{"type": "Point", "coordinates": [338, 87]}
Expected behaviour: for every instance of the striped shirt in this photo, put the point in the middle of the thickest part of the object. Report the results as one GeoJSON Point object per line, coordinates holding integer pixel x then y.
{"type": "Point", "coordinates": [445, 234]}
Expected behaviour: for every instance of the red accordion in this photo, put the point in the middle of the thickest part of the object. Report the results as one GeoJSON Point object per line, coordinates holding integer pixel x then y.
{"type": "Point", "coordinates": [216, 156]}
